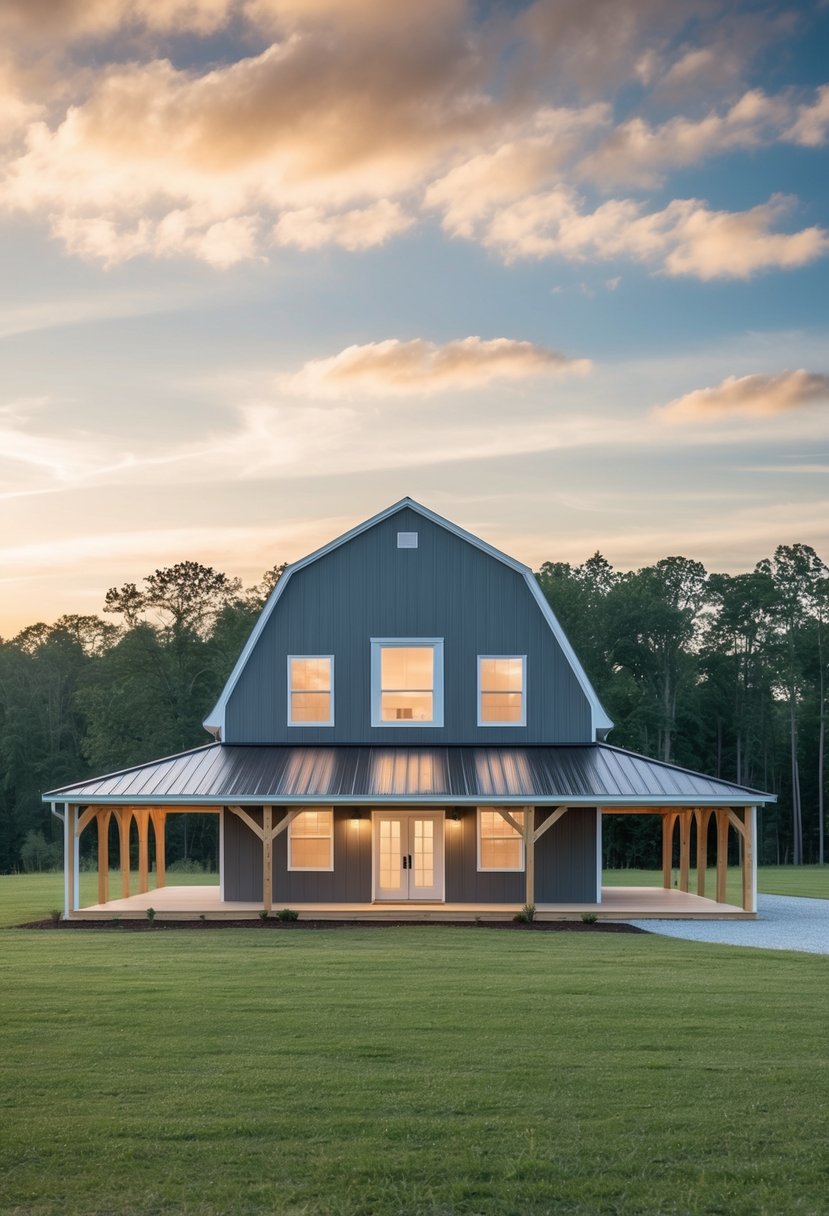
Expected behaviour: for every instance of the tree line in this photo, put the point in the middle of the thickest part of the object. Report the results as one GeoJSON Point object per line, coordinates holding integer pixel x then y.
{"type": "Point", "coordinates": [722, 673]}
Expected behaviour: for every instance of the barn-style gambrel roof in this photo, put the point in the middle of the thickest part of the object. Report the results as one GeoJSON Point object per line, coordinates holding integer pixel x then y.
{"type": "Point", "coordinates": [601, 723]}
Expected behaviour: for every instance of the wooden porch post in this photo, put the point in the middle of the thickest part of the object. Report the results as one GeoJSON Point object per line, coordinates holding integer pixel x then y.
{"type": "Point", "coordinates": [159, 818]}
{"type": "Point", "coordinates": [124, 818]}
{"type": "Point", "coordinates": [529, 850]}
{"type": "Point", "coordinates": [702, 817]}
{"type": "Point", "coordinates": [668, 821]}
{"type": "Point", "coordinates": [267, 858]}
{"type": "Point", "coordinates": [750, 859]}
{"type": "Point", "coordinates": [684, 848]}
{"type": "Point", "coordinates": [102, 818]}
{"type": "Point", "coordinates": [142, 818]}
{"type": "Point", "coordinates": [722, 855]}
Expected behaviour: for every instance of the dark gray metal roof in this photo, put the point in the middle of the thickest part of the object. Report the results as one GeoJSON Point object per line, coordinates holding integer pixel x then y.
{"type": "Point", "coordinates": [593, 773]}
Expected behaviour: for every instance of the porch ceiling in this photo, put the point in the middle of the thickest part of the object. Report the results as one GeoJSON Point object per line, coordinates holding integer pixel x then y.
{"type": "Point", "coordinates": [581, 774]}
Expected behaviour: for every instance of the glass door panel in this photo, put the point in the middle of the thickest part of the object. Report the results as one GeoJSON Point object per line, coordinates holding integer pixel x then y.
{"type": "Point", "coordinates": [408, 855]}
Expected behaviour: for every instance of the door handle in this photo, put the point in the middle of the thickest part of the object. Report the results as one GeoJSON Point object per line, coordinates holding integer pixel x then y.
{"type": "Point", "coordinates": [404, 861]}
{"type": "Point", "coordinates": [410, 861]}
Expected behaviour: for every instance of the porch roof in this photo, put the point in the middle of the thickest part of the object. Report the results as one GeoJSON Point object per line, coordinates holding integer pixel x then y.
{"type": "Point", "coordinates": [589, 774]}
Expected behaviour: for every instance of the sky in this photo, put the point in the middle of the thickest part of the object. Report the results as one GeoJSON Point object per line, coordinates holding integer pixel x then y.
{"type": "Point", "coordinates": [556, 269]}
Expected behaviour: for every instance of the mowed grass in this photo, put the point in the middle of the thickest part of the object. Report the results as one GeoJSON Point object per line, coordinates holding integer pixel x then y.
{"type": "Point", "coordinates": [29, 897]}
{"type": "Point", "coordinates": [807, 881]}
{"type": "Point", "coordinates": [417, 1071]}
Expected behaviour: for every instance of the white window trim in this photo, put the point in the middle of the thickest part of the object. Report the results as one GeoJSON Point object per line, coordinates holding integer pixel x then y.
{"type": "Point", "coordinates": [523, 721]}
{"type": "Point", "coordinates": [313, 869]}
{"type": "Point", "coordinates": [437, 691]}
{"type": "Point", "coordinates": [288, 717]}
{"type": "Point", "coordinates": [497, 869]}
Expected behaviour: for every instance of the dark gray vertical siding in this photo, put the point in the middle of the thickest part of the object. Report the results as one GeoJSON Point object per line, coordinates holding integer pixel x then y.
{"type": "Point", "coordinates": [446, 588]}
{"type": "Point", "coordinates": [242, 858]}
{"type": "Point", "coordinates": [464, 884]}
{"type": "Point", "coordinates": [348, 882]}
{"type": "Point", "coordinates": [565, 859]}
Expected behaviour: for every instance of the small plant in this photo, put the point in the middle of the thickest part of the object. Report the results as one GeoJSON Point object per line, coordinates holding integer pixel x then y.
{"type": "Point", "coordinates": [263, 915]}
{"type": "Point", "coordinates": [285, 914]}
{"type": "Point", "coordinates": [526, 915]}
{"type": "Point", "coordinates": [151, 915]}
{"type": "Point", "coordinates": [116, 920]}
{"type": "Point", "coordinates": [56, 915]}
{"type": "Point", "coordinates": [589, 918]}
{"type": "Point", "coordinates": [202, 918]}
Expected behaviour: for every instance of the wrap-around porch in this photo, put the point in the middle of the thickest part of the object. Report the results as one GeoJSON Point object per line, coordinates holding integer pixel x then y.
{"type": "Point", "coordinates": [687, 833]}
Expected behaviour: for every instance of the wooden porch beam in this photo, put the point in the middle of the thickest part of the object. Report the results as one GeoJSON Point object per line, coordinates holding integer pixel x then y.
{"type": "Point", "coordinates": [123, 817]}
{"type": "Point", "coordinates": [722, 855]}
{"type": "Point", "coordinates": [529, 852]}
{"type": "Point", "coordinates": [702, 817]}
{"type": "Point", "coordinates": [548, 823]}
{"type": "Point", "coordinates": [668, 825]}
{"type": "Point", "coordinates": [142, 818]}
{"type": "Point", "coordinates": [242, 814]}
{"type": "Point", "coordinates": [86, 818]}
{"type": "Point", "coordinates": [283, 823]}
{"type": "Point", "coordinates": [267, 858]}
{"type": "Point", "coordinates": [684, 848]}
{"type": "Point", "coordinates": [736, 822]}
{"type": "Point", "coordinates": [504, 813]}
{"type": "Point", "coordinates": [158, 815]}
{"type": "Point", "coordinates": [749, 860]}
{"type": "Point", "coordinates": [103, 818]}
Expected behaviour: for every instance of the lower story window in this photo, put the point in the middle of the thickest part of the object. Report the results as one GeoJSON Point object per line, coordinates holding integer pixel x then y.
{"type": "Point", "coordinates": [500, 847]}
{"type": "Point", "coordinates": [311, 841]}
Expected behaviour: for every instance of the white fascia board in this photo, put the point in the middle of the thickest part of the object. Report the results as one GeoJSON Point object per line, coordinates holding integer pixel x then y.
{"type": "Point", "coordinates": [215, 721]}
{"type": "Point", "coordinates": [216, 803]}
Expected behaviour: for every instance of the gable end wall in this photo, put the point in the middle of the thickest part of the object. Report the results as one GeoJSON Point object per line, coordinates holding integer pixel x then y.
{"type": "Point", "coordinates": [445, 588]}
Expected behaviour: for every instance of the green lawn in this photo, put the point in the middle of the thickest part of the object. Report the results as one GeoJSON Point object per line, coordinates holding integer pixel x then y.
{"type": "Point", "coordinates": [30, 897]}
{"type": "Point", "coordinates": [808, 881]}
{"type": "Point", "coordinates": [418, 1071]}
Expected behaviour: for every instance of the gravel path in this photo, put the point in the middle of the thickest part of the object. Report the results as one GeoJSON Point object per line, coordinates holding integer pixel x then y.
{"type": "Point", "coordinates": [784, 922]}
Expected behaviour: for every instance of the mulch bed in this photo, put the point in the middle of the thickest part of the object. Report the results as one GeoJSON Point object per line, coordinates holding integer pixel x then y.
{"type": "Point", "coordinates": [165, 926]}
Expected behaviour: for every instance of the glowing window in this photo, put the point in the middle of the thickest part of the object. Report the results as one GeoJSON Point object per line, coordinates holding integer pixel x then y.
{"type": "Point", "coordinates": [502, 688]}
{"type": "Point", "coordinates": [406, 682]}
{"type": "Point", "coordinates": [311, 841]}
{"type": "Point", "coordinates": [500, 847]}
{"type": "Point", "coordinates": [311, 690]}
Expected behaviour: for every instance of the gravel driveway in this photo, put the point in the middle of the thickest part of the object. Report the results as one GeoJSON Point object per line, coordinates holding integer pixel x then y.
{"type": "Point", "coordinates": [784, 922]}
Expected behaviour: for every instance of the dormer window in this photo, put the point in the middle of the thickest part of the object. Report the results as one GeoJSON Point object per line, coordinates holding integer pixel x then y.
{"type": "Point", "coordinates": [502, 690]}
{"type": "Point", "coordinates": [407, 682]}
{"type": "Point", "coordinates": [311, 690]}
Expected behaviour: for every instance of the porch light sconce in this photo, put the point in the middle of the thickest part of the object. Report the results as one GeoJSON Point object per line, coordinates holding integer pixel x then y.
{"type": "Point", "coordinates": [455, 816]}
{"type": "Point", "coordinates": [356, 816]}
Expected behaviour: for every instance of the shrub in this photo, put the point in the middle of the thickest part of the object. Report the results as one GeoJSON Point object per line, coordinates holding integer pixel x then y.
{"type": "Point", "coordinates": [526, 915]}
{"type": "Point", "coordinates": [56, 915]}
{"type": "Point", "coordinates": [589, 918]}
{"type": "Point", "coordinates": [185, 865]}
{"type": "Point", "coordinates": [151, 915]}
{"type": "Point", "coordinates": [37, 854]}
{"type": "Point", "coordinates": [287, 914]}
{"type": "Point", "coordinates": [263, 915]}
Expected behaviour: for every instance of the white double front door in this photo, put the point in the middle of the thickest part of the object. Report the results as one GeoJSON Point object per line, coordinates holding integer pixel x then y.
{"type": "Point", "coordinates": [408, 855]}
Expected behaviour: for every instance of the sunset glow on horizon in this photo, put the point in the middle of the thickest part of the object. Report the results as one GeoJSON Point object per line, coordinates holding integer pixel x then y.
{"type": "Point", "coordinates": [556, 270]}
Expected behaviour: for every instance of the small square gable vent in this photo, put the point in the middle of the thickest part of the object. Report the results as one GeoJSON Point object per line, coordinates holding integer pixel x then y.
{"type": "Point", "coordinates": [407, 540]}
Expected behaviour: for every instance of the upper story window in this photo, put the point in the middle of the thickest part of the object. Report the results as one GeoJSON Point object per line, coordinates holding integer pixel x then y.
{"type": "Point", "coordinates": [310, 690]}
{"type": "Point", "coordinates": [502, 690]}
{"type": "Point", "coordinates": [500, 847]}
{"type": "Point", "coordinates": [311, 841]}
{"type": "Point", "coordinates": [407, 682]}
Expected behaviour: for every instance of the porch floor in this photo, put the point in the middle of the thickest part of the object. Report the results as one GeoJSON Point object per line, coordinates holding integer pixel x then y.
{"type": "Point", "coordinates": [618, 903]}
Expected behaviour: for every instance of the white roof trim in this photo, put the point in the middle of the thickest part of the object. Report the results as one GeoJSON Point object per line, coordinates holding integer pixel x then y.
{"type": "Point", "coordinates": [217, 804]}
{"type": "Point", "coordinates": [600, 722]}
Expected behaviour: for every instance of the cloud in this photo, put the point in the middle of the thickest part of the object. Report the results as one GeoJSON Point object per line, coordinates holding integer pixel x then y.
{"type": "Point", "coordinates": [415, 367]}
{"type": "Point", "coordinates": [756, 396]}
{"type": "Point", "coordinates": [42, 21]}
{"type": "Point", "coordinates": [811, 123]}
{"type": "Point", "coordinates": [684, 238]}
{"type": "Point", "coordinates": [360, 228]}
{"type": "Point", "coordinates": [638, 153]}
